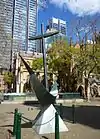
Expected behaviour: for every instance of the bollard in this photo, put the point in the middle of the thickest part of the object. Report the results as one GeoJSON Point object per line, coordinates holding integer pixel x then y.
{"type": "Point", "coordinates": [18, 132]}
{"type": "Point", "coordinates": [73, 113]}
{"type": "Point", "coordinates": [57, 108]}
{"type": "Point", "coordinates": [15, 122]}
{"type": "Point", "coordinates": [57, 126]}
{"type": "Point", "coordinates": [61, 110]}
{"type": "Point", "coordinates": [28, 109]}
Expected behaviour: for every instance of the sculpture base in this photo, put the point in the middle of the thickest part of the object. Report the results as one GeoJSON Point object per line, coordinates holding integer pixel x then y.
{"type": "Point", "coordinates": [45, 121]}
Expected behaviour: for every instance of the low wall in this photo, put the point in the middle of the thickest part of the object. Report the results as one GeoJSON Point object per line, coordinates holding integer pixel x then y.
{"type": "Point", "coordinates": [18, 97]}
{"type": "Point", "coordinates": [69, 95]}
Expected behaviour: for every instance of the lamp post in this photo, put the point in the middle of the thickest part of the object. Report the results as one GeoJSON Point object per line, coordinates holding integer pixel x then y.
{"type": "Point", "coordinates": [41, 37]}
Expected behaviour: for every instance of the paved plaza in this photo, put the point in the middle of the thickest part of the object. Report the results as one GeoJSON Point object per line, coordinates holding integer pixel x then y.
{"type": "Point", "coordinates": [87, 117]}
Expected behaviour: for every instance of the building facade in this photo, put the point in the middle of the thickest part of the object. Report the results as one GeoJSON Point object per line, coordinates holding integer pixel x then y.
{"type": "Point", "coordinates": [5, 32]}
{"type": "Point", "coordinates": [22, 75]}
{"type": "Point", "coordinates": [21, 15]}
{"type": "Point", "coordinates": [25, 24]}
{"type": "Point", "coordinates": [2, 84]}
{"type": "Point", "coordinates": [58, 24]}
{"type": "Point", "coordinates": [55, 24]}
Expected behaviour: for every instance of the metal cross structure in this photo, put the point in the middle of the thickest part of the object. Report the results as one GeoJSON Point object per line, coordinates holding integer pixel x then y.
{"type": "Point", "coordinates": [41, 37]}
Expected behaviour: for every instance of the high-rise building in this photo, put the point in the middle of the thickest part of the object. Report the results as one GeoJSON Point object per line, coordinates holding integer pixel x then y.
{"type": "Point", "coordinates": [5, 32]}
{"type": "Point", "coordinates": [24, 24]}
{"type": "Point", "coordinates": [55, 24]}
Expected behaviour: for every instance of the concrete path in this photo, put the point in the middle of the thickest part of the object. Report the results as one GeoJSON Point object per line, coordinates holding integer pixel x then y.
{"type": "Point", "coordinates": [87, 118]}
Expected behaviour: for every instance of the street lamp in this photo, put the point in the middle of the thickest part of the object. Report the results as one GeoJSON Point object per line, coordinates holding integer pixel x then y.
{"type": "Point", "coordinates": [41, 37]}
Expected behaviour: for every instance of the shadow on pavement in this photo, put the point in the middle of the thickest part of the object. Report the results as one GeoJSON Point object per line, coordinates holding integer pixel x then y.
{"type": "Point", "coordinates": [32, 103]}
{"type": "Point", "coordinates": [85, 115]}
{"type": "Point", "coordinates": [6, 125]}
{"type": "Point", "coordinates": [26, 125]}
{"type": "Point", "coordinates": [23, 125]}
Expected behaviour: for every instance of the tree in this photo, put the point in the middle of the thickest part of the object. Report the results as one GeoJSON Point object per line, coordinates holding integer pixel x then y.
{"type": "Point", "coordinates": [60, 61]}
{"type": "Point", "coordinates": [27, 87]}
{"type": "Point", "coordinates": [97, 70]}
{"type": "Point", "coordinates": [88, 62]}
{"type": "Point", "coordinates": [73, 64]}
{"type": "Point", "coordinates": [98, 38]}
{"type": "Point", "coordinates": [37, 64]}
{"type": "Point", "coordinates": [8, 79]}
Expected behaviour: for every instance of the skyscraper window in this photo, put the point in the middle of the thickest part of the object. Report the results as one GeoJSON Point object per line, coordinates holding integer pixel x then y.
{"type": "Point", "coordinates": [24, 26]}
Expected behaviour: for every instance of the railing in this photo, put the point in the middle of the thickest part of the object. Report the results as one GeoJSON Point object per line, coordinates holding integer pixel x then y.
{"type": "Point", "coordinates": [18, 117]}
{"type": "Point", "coordinates": [17, 124]}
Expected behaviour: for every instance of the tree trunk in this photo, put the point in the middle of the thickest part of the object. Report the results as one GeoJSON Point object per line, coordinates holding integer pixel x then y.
{"type": "Point", "coordinates": [87, 89]}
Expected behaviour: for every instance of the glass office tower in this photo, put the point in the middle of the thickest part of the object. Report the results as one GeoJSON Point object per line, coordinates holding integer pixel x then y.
{"type": "Point", "coordinates": [32, 24]}
{"type": "Point", "coordinates": [58, 24]}
{"type": "Point", "coordinates": [24, 26]}
{"type": "Point", "coordinates": [55, 24]}
{"type": "Point", "coordinates": [5, 32]}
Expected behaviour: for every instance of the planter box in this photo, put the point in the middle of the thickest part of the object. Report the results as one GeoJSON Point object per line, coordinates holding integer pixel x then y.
{"type": "Point", "coordinates": [69, 95]}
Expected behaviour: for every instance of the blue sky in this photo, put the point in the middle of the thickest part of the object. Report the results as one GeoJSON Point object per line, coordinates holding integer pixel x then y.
{"type": "Point", "coordinates": [71, 11]}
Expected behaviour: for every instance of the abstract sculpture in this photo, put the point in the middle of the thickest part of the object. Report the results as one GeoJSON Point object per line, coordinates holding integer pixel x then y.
{"type": "Point", "coordinates": [45, 121]}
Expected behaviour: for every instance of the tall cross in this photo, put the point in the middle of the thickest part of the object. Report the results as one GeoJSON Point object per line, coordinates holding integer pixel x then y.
{"type": "Point", "coordinates": [42, 37]}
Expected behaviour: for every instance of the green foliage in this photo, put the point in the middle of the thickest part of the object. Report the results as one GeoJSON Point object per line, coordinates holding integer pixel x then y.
{"type": "Point", "coordinates": [27, 87]}
{"type": "Point", "coordinates": [98, 38]}
{"type": "Point", "coordinates": [57, 56]}
{"type": "Point", "coordinates": [37, 64]}
{"type": "Point", "coordinates": [97, 59]}
{"type": "Point", "coordinates": [88, 60]}
{"type": "Point", "coordinates": [72, 63]}
{"type": "Point", "coordinates": [8, 78]}
{"type": "Point", "coordinates": [60, 60]}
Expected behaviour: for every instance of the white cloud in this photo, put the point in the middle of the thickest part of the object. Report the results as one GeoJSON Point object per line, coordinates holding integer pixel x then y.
{"type": "Point", "coordinates": [79, 7]}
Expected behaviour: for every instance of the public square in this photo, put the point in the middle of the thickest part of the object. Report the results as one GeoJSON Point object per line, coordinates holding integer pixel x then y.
{"type": "Point", "coordinates": [86, 126]}
{"type": "Point", "coordinates": [49, 53]}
